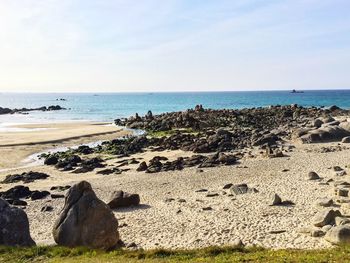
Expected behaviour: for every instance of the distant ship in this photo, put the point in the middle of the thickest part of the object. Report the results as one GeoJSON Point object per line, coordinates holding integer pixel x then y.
{"type": "Point", "coordinates": [294, 91]}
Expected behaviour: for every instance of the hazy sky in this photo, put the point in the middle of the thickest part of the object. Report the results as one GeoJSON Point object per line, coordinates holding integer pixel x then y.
{"type": "Point", "coordinates": [167, 45]}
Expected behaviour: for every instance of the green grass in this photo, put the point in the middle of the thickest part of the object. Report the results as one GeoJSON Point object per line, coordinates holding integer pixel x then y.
{"type": "Point", "coordinates": [159, 134]}
{"type": "Point", "coordinates": [211, 254]}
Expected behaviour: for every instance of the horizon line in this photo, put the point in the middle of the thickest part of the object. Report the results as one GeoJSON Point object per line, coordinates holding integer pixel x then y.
{"type": "Point", "coordinates": [174, 91]}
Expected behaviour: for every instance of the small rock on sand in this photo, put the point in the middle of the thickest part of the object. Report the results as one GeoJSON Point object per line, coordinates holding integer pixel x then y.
{"type": "Point", "coordinates": [325, 217]}
{"type": "Point", "coordinates": [313, 176]}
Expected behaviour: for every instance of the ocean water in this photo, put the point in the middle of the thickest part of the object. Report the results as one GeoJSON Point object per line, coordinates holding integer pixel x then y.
{"type": "Point", "coordinates": [109, 106]}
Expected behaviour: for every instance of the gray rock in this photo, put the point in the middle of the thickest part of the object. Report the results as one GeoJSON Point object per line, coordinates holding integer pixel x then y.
{"type": "Point", "coordinates": [325, 217]}
{"type": "Point", "coordinates": [339, 235]}
{"type": "Point", "coordinates": [317, 233]}
{"type": "Point", "coordinates": [276, 200]}
{"type": "Point", "coordinates": [313, 176]}
{"type": "Point", "coordinates": [14, 226]}
{"type": "Point", "coordinates": [340, 220]}
{"type": "Point", "coordinates": [122, 199]}
{"type": "Point", "coordinates": [239, 189]}
{"type": "Point", "coordinates": [85, 220]}
{"type": "Point", "coordinates": [317, 123]}
{"type": "Point", "coordinates": [342, 192]}
{"type": "Point", "coordinates": [326, 228]}
{"type": "Point", "coordinates": [346, 139]}
{"type": "Point", "coordinates": [325, 202]}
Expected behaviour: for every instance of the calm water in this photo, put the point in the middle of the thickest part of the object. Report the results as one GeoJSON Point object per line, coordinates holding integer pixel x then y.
{"type": "Point", "coordinates": [108, 106]}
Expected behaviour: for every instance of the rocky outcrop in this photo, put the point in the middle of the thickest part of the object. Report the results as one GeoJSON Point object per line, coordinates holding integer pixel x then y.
{"type": "Point", "coordinates": [330, 130]}
{"type": "Point", "coordinates": [14, 226]}
{"type": "Point", "coordinates": [85, 220]}
{"type": "Point", "coordinates": [24, 110]}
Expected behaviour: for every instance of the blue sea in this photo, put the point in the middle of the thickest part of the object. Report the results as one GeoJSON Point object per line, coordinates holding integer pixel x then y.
{"type": "Point", "coordinates": [109, 106]}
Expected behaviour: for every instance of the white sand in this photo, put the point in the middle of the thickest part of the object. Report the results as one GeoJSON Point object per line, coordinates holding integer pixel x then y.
{"type": "Point", "coordinates": [159, 224]}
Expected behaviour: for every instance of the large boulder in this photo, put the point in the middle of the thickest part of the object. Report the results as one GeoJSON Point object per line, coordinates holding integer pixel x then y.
{"type": "Point", "coordinates": [123, 199]}
{"type": "Point", "coordinates": [339, 235]}
{"type": "Point", "coordinates": [14, 226]}
{"type": "Point", "coordinates": [85, 220]}
{"type": "Point", "coordinates": [325, 217]}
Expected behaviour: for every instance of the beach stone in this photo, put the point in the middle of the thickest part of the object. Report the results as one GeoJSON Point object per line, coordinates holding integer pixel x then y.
{"type": "Point", "coordinates": [325, 217]}
{"type": "Point", "coordinates": [142, 167]}
{"type": "Point", "coordinates": [36, 195]}
{"type": "Point", "coordinates": [16, 192]}
{"type": "Point", "coordinates": [317, 123]}
{"type": "Point", "coordinates": [239, 189]}
{"type": "Point", "coordinates": [85, 220]}
{"type": "Point", "coordinates": [212, 194]}
{"type": "Point", "coordinates": [276, 200]}
{"type": "Point", "coordinates": [227, 186]}
{"type": "Point", "coordinates": [56, 196]}
{"type": "Point", "coordinates": [340, 173]}
{"type": "Point", "coordinates": [26, 177]}
{"type": "Point", "coordinates": [325, 202]}
{"type": "Point", "coordinates": [346, 139]}
{"type": "Point", "coordinates": [313, 176]}
{"type": "Point", "coordinates": [17, 202]}
{"type": "Point", "coordinates": [14, 226]}
{"type": "Point", "coordinates": [338, 235]}
{"type": "Point", "coordinates": [46, 208]}
{"type": "Point", "coordinates": [51, 160]}
{"type": "Point", "coordinates": [317, 233]}
{"type": "Point", "coordinates": [122, 199]}
{"type": "Point", "coordinates": [341, 220]}
{"type": "Point", "coordinates": [237, 243]}
{"type": "Point", "coordinates": [326, 228]}
{"type": "Point", "coordinates": [337, 169]}
{"type": "Point", "coordinates": [342, 192]}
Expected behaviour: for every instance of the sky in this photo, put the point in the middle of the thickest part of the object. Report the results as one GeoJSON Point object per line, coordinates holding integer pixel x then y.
{"type": "Point", "coordinates": [173, 45]}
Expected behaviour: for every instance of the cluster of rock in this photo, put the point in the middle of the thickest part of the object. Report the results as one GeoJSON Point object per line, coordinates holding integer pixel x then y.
{"type": "Point", "coordinates": [84, 221]}
{"type": "Point", "coordinates": [324, 130]}
{"type": "Point", "coordinates": [156, 165]}
{"type": "Point", "coordinates": [200, 119]}
{"type": "Point", "coordinates": [26, 177]}
{"type": "Point", "coordinates": [332, 222]}
{"type": "Point", "coordinates": [73, 162]}
{"type": "Point", "coordinates": [200, 131]}
{"type": "Point", "coordinates": [16, 194]}
{"type": "Point", "coordinates": [25, 110]}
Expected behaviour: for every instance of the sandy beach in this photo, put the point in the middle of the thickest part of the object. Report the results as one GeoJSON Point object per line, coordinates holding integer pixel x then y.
{"type": "Point", "coordinates": [35, 138]}
{"type": "Point", "coordinates": [173, 214]}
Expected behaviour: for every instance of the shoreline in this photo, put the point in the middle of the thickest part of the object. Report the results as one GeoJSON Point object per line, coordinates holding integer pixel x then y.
{"type": "Point", "coordinates": [186, 205]}
{"type": "Point", "coordinates": [17, 146]}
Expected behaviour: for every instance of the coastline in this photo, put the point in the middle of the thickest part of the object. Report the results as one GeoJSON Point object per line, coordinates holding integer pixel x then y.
{"type": "Point", "coordinates": [17, 146]}
{"type": "Point", "coordinates": [191, 207]}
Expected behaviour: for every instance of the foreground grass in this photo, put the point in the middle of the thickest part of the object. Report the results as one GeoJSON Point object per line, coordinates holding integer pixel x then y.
{"type": "Point", "coordinates": [211, 254]}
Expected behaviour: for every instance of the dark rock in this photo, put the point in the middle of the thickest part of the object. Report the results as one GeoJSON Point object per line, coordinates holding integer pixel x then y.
{"type": "Point", "coordinates": [46, 208]}
{"type": "Point", "coordinates": [313, 176]}
{"type": "Point", "coordinates": [242, 189]}
{"type": "Point", "coordinates": [114, 170]}
{"type": "Point", "coordinates": [85, 220]}
{"type": "Point", "coordinates": [17, 192]}
{"type": "Point", "coordinates": [51, 160]}
{"type": "Point", "coordinates": [121, 199]}
{"type": "Point", "coordinates": [25, 177]}
{"type": "Point", "coordinates": [36, 195]}
{"type": "Point", "coordinates": [14, 226]}
{"type": "Point", "coordinates": [56, 196]}
{"type": "Point", "coordinates": [142, 167]}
